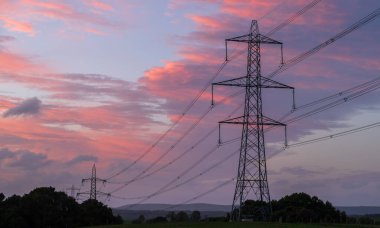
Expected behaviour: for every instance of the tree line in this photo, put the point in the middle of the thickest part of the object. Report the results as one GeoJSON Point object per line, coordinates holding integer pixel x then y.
{"type": "Point", "coordinates": [294, 208]}
{"type": "Point", "coordinates": [45, 207]}
{"type": "Point", "coordinates": [172, 216]}
{"type": "Point", "coordinates": [299, 208]}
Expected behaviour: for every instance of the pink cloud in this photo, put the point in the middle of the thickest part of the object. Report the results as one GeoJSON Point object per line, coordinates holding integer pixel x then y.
{"type": "Point", "coordinates": [207, 22]}
{"type": "Point", "coordinates": [99, 5]}
{"type": "Point", "coordinates": [25, 15]}
{"type": "Point", "coordinates": [18, 26]}
{"type": "Point", "coordinates": [17, 64]}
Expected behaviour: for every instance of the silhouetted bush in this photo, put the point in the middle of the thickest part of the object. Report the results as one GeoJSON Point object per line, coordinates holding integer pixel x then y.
{"type": "Point", "coordinates": [44, 207]}
{"type": "Point", "coordinates": [158, 219]}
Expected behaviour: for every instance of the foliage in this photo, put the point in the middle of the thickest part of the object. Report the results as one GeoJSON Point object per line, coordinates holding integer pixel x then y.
{"type": "Point", "coordinates": [195, 216]}
{"type": "Point", "coordinates": [294, 208]}
{"type": "Point", "coordinates": [235, 225]}
{"type": "Point", "coordinates": [44, 207]}
{"type": "Point", "coordinates": [366, 220]}
{"type": "Point", "coordinates": [158, 219]}
{"type": "Point", "coordinates": [300, 207]}
{"type": "Point", "coordinates": [139, 220]}
{"type": "Point", "coordinates": [94, 212]}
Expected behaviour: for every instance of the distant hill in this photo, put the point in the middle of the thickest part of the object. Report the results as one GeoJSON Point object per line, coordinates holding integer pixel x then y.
{"type": "Point", "coordinates": [208, 210]}
{"type": "Point", "coordinates": [154, 210]}
{"type": "Point", "coordinates": [362, 210]}
{"type": "Point", "coordinates": [182, 207]}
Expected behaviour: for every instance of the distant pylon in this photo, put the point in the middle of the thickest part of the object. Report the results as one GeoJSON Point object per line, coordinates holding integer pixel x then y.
{"type": "Point", "coordinates": [72, 190]}
{"type": "Point", "coordinates": [93, 190]}
{"type": "Point", "coordinates": [252, 182]}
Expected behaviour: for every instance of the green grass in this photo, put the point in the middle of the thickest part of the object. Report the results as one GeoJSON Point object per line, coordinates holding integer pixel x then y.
{"type": "Point", "coordinates": [235, 225]}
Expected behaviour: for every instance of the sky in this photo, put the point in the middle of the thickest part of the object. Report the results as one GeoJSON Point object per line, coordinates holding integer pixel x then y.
{"type": "Point", "coordinates": [100, 81]}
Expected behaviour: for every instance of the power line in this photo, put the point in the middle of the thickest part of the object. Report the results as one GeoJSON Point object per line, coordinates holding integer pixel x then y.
{"type": "Point", "coordinates": [180, 175]}
{"type": "Point", "coordinates": [202, 173]}
{"type": "Point", "coordinates": [192, 103]}
{"type": "Point", "coordinates": [366, 88]}
{"type": "Point", "coordinates": [293, 17]}
{"type": "Point", "coordinates": [369, 83]}
{"type": "Point", "coordinates": [328, 137]}
{"type": "Point", "coordinates": [283, 24]}
{"type": "Point", "coordinates": [332, 136]}
{"type": "Point", "coordinates": [336, 135]}
{"type": "Point", "coordinates": [94, 192]}
{"type": "Point", "coordinates": [163, 188]}
{"type": "Point", "coordinates": [335, 103]}
{"type": "Point", "coordinates": [175, 123]}
{"type": "Point", "coordinates": [143, 175]}
{"type": "Point", "coordinates": [339, 94]}
{"type": "Point", "coordinates": [290, 63]}
{"type": "Point", "coordinates": [191, 148]}
{"type": "Point", "coordinates": [187, 108]}
{"type": "Point", "coordinates": [197, 196]}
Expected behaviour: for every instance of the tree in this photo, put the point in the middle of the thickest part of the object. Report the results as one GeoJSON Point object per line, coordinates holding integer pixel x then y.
{"type": "Point", "coordinates": [300, 207]}
{"type": "Point", "coordinates": [95, 213]}
{"type": "Point", "coordinates": [139, 220]}
{"type": "Point", "coordinates": [181, 217]}
{"type": "Point", "coordinates": [195, 216]}
{"type": "Point", "coordinates": [158, 219]}
{"type": "Point", "coordinates": [10, 213]}
{"type": "Point", "coordinates": [255, 210]}
{"type": "Point", "coordinates": [171, 216]}
{"type": "Point", "coordinates": [44, 207]}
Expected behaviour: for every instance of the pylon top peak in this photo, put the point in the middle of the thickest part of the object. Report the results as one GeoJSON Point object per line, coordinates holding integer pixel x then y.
{"type": "Point", "coordinates": [254, 27]}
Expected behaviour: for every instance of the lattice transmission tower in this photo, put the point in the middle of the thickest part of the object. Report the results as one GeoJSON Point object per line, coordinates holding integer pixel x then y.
{"type": "Point", "coordinates": [252, 181]}
{"type": "Point", "coordinates": [72, 190]}
{"type": "Point", "coordinates": [94, 192]}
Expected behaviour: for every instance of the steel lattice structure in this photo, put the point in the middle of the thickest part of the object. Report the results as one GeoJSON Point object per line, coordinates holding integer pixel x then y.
{"type": "Point", "coordinates": [252, 181]}
{"type": "Point", "coordinates": [93, 190]}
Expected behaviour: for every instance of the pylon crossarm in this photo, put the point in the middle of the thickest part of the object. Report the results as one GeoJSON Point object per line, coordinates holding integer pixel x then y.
{"type": "Point", "coordinates": [242, 120]}
{"type": "Point", "coordinates": [232, 82]}
{"type": "Point", "coordinates": [269, 121]}
{"type": "Point", "coordinates": [269, 83]}
{"type": "Point", "coordinates": [266, 121]}
{"type": "Point", "coordinates": [250, 38]}
{"type": "Point", "coordinates": [243, 38]}
{"type": "Point", "coordinates": [266, 40]}
{"type": "Point", "coordinates": [235, 120]}
{"type": "Point", "coordinates": [103, 193]}
{"type": "Point", "coordinates": [239, 82]}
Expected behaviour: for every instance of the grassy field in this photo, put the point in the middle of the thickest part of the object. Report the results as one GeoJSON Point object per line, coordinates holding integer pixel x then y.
{"type": "Point", "coordinates": [234, 225]}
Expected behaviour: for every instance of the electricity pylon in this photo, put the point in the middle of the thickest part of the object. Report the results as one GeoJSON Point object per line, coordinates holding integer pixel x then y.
{"type": "Point", "coordinates": [93, 190]}
{"type": "Point", "coordinates": [252, 181]}
{"type": "Point", "coordinates": [72, 190]}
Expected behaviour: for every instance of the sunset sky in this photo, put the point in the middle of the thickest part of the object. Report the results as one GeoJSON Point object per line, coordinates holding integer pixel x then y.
{"type": "Point", "coordinates": [99, 81]}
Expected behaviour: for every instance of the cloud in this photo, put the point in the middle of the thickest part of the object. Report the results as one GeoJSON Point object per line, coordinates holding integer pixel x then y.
{"type": "Point", "coordinates": [6, 38]}
{"type": "Point", "coordinates": [28, 160]}
{"type": "Point", "coordinates": [29, 106]}
{"type": "Point", "coordinates": [82, 158]}
{"type": "Point", "coordinates": [99, 5]}
{"type": "Point", "coordinates": [6, 153]}
{"type": "Point", "coordinates": [77, 14]}
{"type": "Point", "coordinates": [18, 26]}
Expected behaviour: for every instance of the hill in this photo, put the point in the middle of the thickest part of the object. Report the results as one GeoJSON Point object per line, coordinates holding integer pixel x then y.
{"type": "Point", "coordinates": [209, 210]}
{"type": "Point", "coordinates": [361, 210]}
{"type": "Point", "coordinates": [130, 212]}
